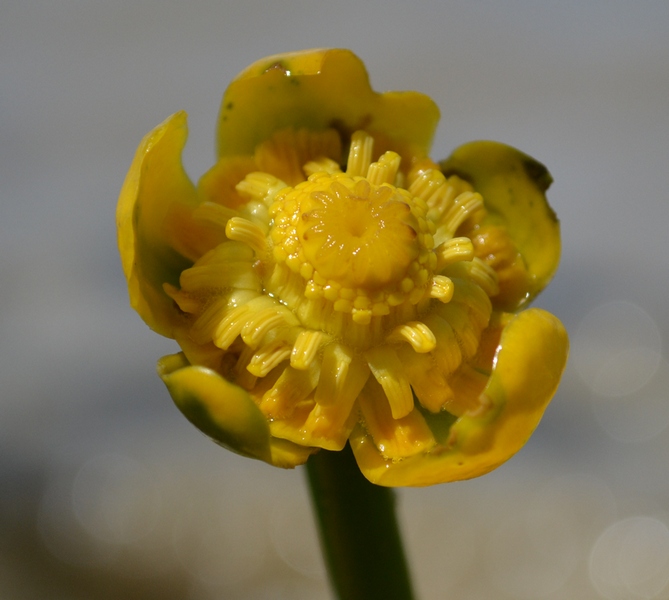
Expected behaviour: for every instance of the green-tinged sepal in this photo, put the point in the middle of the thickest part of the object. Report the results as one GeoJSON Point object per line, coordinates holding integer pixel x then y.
{"type": "Point", "coordinates": [226, 413]}
{"type": "Point", "coordinates": [513, 186]}
{"type": "Point", "coordinates": [223, 411]}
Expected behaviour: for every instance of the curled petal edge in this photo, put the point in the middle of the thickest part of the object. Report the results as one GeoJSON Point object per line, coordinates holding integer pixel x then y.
{"type": "Point", "coordinates": [318, 89]}
{"type": "Point", "coordinates": [155, 188]}
{"type": "Point", "coordinates": [226, 413]}
{"type": "Point", "coordinates": [527, 368]}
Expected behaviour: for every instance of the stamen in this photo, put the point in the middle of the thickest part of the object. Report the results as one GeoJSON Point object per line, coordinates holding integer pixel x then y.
{"type": "Point", "coordinates": [227, 252]}
{"type": "Point", "coordinates": [260, 322]}
{"type": "Point", "coordinates": [186, 302]}
{"type": "Point", "coordinates": [454, 250]}
{"type": "Point", "coordinates": [243, 230]}
{"type": "Point", "coordinates": [480, 273]}
{"type": "Point", "coordinates": [240, 275]}
{"type": "Point", "coordinates": [240, 304]}
{"type": "Point", "coordinates": [321, 165]}
{"type": "Point", "coordinates": [418, 167]}
{"type": "Point", "coordinates": [230, 326]}
{"type": "Point", "coordinates": [428, 382]}
{"type": "Point", "coordinates": [256, 212]}
{"type": "Point", "coordinates": [215, 214]}
{"type": "Point", "coordinates": [204, 328]}
{"type": "Point", "coordinates": [427, 184]}
{"type": "Point", "coordinates": [447, 354]}
{"type": "Point", "coordinates": [465, 332]}
{"type": "Point", "coordinates": [385, 170]}
{"type": "Point", "coordinates": [445, 196]}
{"type": "Point", "coordinates": [244, 377]}
{"type": "Point", "coordinates": [396, 438]}
{"type": "Point", "coordinates": [290, 388]}
{"type": "Point", "coordinates": [442, 288]}
{"type": "Point", "coordinates": [416, 333]}
{"type": "Point", "coordinates": [360, 154]}
{"type": "Point", "coordinates": [305, 348]}
{"type": "Point", "coordinates": [441, 201]}
{"type": "Point", "coordinates": [268, 357]}
{"type": "Point", "coordinates": [329, 426]}
{"type": "Point", "coordinates": [474, 299]}
{"type": "Point", "coordinates": [343, 375]}
{"type": "Point", "coordinates": [463, 207]}
{"type": "Point", "coordinates": [387, 370]}
{"type": "Point", "coordinates": [262, 187]}
{"type": "Point", "coordinates": [288, 150]}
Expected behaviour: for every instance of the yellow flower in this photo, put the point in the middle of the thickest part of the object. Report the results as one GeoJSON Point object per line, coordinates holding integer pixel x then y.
{"type": "Point", "coordinates": [327, 282]}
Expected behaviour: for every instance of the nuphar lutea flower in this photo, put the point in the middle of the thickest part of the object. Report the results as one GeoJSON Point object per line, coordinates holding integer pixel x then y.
{"type": "Point", "coordinates": [328, 283]}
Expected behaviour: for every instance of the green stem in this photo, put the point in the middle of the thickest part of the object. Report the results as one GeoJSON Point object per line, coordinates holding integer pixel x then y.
{"type": "Point", "coordinates": [359, 532]}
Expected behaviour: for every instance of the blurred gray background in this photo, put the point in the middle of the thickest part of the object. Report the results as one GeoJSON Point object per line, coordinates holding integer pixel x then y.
{"type": "Point", "coordinates": [107, 492]}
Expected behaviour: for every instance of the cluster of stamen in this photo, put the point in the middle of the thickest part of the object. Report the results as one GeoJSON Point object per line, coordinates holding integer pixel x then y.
{"type": "Point", "coordinates": [349, 276]}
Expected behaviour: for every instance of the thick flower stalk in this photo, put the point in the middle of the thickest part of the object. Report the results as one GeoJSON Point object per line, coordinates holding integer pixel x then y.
{"type": "Point", "coordinates": [328, 283]}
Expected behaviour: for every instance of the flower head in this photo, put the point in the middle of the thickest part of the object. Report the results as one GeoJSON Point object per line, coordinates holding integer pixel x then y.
{"type": "Point", "coordinates": [328, 283]}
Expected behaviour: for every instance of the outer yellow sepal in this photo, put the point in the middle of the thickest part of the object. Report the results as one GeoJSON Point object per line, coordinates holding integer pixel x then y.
{"type": "Point", "coordinates": [225, 412]}
{"type": "Point", "coordinates": [318, 89]}
{"type": "Point", "coordinates": [526, 371]}
{"type": "Point", "coordinates": [155, 184]}
{"type": "Point", "coordinates": [513, 187]}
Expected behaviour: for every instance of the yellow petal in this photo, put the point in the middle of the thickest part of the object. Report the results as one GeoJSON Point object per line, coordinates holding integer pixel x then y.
{"type": "Point", "coordinates": [513, 187]}
{"type": "Point", "coordinates": [219, 184]}
{"type": "Point", "coordinates": [527, 368]}
{"type": "Point", "coordinates": [313, 425]}
{"type": "Point", "coordinates": [317, 90]}
{"type": "Point", "coordinates": [394, 439]}
{"type": "Point", "coordinates": [155, 194]}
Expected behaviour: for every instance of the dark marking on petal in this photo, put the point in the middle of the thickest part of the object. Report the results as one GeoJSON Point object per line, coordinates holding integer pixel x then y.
{"type": "Point", "coordinates": [537, 173]}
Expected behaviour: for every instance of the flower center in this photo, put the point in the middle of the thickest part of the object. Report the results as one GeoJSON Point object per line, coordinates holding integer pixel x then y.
{"type": "Point", "coordinates": [355, 234]}
{"type": "Point", "coordinates": [361, 246]}
{"type": "Point", "coordinates": [353, 244]}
